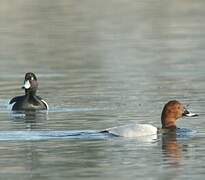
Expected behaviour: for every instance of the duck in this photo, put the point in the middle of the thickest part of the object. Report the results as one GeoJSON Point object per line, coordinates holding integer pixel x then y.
{"type": "Point", "coordinates": [172, 111]}
{"type": "Point", "coordinates": [30, 101]}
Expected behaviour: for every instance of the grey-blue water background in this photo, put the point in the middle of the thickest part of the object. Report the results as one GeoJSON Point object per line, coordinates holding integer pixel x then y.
{"type": "Point", "coordinates": [102, 64]}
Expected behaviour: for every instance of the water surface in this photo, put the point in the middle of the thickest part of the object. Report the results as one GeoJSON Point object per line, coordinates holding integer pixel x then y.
{"type": "Point", "coordinates": [102, 64]}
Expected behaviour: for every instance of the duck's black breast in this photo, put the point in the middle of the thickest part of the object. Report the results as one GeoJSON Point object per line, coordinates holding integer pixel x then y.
{"type": "Point", "coordinates": [28, 103]}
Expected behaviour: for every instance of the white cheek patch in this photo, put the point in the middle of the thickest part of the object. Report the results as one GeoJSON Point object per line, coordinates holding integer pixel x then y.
{"type": "Point", "coordinates": [27, 85]}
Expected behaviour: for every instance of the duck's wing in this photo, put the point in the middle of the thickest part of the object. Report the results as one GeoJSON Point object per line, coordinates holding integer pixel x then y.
{"type": "Point", "coordinates": [16, 99]}
{"type": "Point", "coordinates": [43, 101]}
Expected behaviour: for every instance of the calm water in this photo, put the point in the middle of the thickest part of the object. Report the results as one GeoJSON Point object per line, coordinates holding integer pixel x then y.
{"type": "Point", "coordinates": [101, 64]}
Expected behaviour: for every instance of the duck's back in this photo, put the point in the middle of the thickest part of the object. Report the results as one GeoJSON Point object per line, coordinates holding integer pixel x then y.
{"type": "Point", "coordinates": [133, 130]}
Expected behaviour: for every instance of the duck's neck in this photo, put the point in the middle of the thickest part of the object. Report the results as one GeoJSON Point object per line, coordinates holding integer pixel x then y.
{"type": "Point", "coordinates": [169, 123]}
{"type": "Point", "coordinates": [29, 93]}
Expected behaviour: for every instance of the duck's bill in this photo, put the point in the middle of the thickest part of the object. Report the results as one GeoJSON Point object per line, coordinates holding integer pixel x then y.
{"type": "Point", "coordinates": [189, 114]}
{"type": "Point", "coordinates": [26, 85]}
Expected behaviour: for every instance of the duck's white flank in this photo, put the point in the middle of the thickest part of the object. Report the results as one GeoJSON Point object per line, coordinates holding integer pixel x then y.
{"type": "Point", "coordinates": [133, 130]}
{"type": "Point", "coordinates": [45, 104]}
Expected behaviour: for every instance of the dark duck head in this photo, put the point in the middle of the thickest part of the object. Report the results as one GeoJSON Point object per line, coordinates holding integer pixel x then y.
{"type": "Point", "coordinates": [30, 84]}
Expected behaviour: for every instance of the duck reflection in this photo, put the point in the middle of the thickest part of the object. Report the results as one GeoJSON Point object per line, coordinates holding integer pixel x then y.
{"type": "Point", "coordinates": [32, 119]}
{"type": "Point", "coordinates": [172, 149]}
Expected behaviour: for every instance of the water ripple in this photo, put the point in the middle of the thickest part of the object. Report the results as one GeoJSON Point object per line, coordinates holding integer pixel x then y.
{"type": "Point", "coordinates": [45, 135]}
